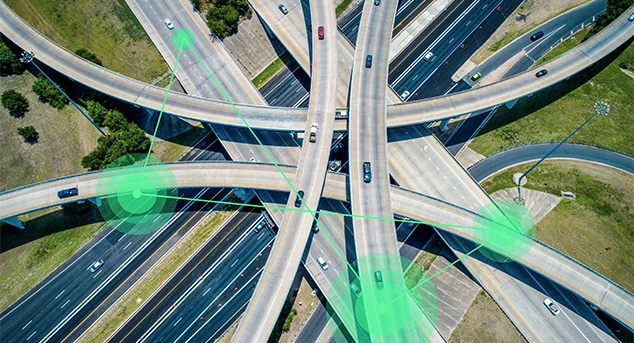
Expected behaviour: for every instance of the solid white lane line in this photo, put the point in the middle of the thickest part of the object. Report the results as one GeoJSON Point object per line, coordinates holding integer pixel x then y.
{"type": "Point", "coordinates": [60, 293]}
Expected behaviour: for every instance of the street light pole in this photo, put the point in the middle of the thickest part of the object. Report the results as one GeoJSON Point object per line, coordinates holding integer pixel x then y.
{"type": "Point", "coordinates": [600, 107]}
{"type": "Point", "coordinates": [27, 57]}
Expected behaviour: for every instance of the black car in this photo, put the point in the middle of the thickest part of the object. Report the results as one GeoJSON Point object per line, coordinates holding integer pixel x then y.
{"type": "Point", "coordinates": [378, 277]}
{"type": "Point", "coordinates": [537, 35]}
{"type": "Point", "coordinates": [368, 61]}
{"type": "Point", "coordinates": [377, 2]}
{"type": "Point", "coordinates": [298, 200]}
{"type": "Point", "coordinates": [367, 172]}
{"type": "Point", "coordinates": [541, 73]}
{"type": "Point", "coordinates": [67, 193]}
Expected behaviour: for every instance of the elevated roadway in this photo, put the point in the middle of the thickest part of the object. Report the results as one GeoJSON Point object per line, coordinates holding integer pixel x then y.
{"type": "Point", "coordinates": [270, 294]}
{"type": "Point", "coordinates": [285, 119]}
{"type": "Point", "coordinates": [593, 287]}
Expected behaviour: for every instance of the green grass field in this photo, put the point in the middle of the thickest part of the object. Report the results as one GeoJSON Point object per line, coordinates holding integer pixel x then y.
{"type": "Point", "coordinates": [272, 69]}
{"type": "Point", "coordinates": [597, 228]}
{"type": "Point", "coordinates": [552, 114]}
{"type": "Point", "coordinates": [108, 28]}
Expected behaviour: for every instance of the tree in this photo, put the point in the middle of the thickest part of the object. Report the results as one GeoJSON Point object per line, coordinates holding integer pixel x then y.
{"type": "Point", "coordinates": [28, 133]}
{"type": "Point", "coordinates": [115, 121]}
{"type": "Point", "coordinates": [119, 143]}
{"type": "Point", "coordinates": [96, 111]}
{"type": "Point", "coordinates": [15, 102]}
{"type": "Point", "coordinates": [89, 56]}
{"type": "Point", "coordinates": [9, 62]}
{"type": "Point", "coordinates": [196, 4]}
{"type": "Point", "coordinates": [48, 93]}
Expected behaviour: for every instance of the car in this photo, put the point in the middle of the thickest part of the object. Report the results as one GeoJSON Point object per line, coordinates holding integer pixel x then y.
{"type": "Point", "coordinates": [322, 263]}
{"type": "Point", "coordinates": [168, 23]}
{"type": "Point", "coordinates": [320, 32]}
{"type": "Point", "coordinates": [95, 266]}
{"type": "Point", "coordinates": [368, 61]}
{"type": "Point", "coordinates": [298, 200]}
{"type": "Point", "coordinates": [367, 172]}
{"type": "Point", "coordinates": [541, 73]}
{"type": "Point", "coordinates": [315, 228]}
{"type": "Point", "coordinates": [355, 289]}
{"type": "Point", "coordinates": [476, 76]}
{"type": "Point", "coordinates": [283, 8]}
{"type": "Point", "coordinates": [631, 17]}
{"type": "Point", "coordinates": [429, 57]}
{"type": "Point", "coordinates": [405, 95]}
{"type": "Point", "coordinates": [377, 2]}
{"type": "Point", "coordinates": [554, 309]}
{"type": "Point", "coordinates": [378, 278]}
{"type": "Point", "coordinates": [537, 35]}
{"type": "Point", "coordinates": [259, 227]}
{"type": "Point", "coordinates": [67, 193]}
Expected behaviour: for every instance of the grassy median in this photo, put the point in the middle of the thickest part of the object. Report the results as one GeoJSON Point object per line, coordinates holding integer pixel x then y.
{"type": "Point", "coordinates": [597, 227]}
{"type": "Point", "coordinates": [566, 45]}
{"type": "Point", "coordinates": [552, 114]}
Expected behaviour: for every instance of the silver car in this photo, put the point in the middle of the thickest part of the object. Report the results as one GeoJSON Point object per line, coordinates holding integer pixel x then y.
{"type": "Point", "coordinates": [95, 266]}
{"type": "Point", "coordinates": [168, 23]}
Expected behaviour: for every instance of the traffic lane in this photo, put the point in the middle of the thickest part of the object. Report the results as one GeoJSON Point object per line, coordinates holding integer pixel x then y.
{"type": "Point", "coordinates": [571, 18]}
{"type": "Point", "coordinates": [205, 309]}
{"type": "Point", "coordinates": [187, 275]}
{"type": "Point", "coordinates": [351, 29]}
{"type": "Point", "coordinates": [214, 152]}
{"type": "Point", "coordinates": [505, 159]}
{"type": "Point", "coordinates": [408, 11]}
{"type": "Point", "coordinates": [177, 228]}
{"type": "Point", "coordinates": [421, 43]}
{"type": "Point", "coordinates": [290, 89]}
{"type": "Point", "coordinates": [247, 147]}
{"type": "Point", "coordinates": [78, 284]}
{"type": "Point", "coordinates": [315, 325]}
{"type": "Point", "coordinates": [413, 78]}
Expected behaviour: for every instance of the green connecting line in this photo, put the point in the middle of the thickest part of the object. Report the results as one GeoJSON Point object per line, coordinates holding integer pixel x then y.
{"type": "Point", "coordinates": [167, 92]}
{"type": "Point", "coordinates": [288, 181]}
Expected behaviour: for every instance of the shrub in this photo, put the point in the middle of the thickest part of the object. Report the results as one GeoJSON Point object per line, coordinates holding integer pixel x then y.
{"type": "Point", "coordinates": [119, 143]}
{"type": "Point", "coordinates": [96, 111]}
{"type": "Point", "coordinates": [48, 93]}
{"type": "Point", "coordinates": [89, 56]}
{"type": "Point", "coordinates": [115, 121]}
{"type": "Point", "coordinates": [28, 133]}
{"type": "Point", "coordinates": [15, 102]}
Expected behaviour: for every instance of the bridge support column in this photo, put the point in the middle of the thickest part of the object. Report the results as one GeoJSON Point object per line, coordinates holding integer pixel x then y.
{"type": "Point", "coordinates": [96, 201]}
{"type": "Point", "coordinates": [14, 221]}
{"type": "Point", "coordinates": [510, 104]}
{"type": "Point", "coordinates": [150, 111]}
{"type": "Point", "coordinates": [443, 125]}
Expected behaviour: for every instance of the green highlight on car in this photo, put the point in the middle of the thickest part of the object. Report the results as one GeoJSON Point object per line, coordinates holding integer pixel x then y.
{"type": "Point", "coordinates": [382, 304]}
{"type": "Point", "coordinates": [183, 38]}
{"type": "Point", "coordinates": [136, 203]}
{"type": "Point", "coordinates": [507, 230]}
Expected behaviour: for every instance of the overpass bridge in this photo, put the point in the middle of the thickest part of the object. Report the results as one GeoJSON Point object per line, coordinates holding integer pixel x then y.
{"type": "Point", "coordinates": [593, 287]}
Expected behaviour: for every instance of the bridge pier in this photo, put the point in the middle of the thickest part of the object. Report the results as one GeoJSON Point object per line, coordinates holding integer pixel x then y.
{"type": "Point", "coordinates": [14, 221]}
{"type": "Point", "coordinates": [443, 125]}
{"type": "Point", "coordinates": [96, 201]}
{"type": "Point", "coordinates": [510, 104]}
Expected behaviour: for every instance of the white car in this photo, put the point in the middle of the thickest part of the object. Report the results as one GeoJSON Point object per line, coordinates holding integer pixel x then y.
{"type": "Point", "coordinates": [95, 266]}
{"type": "Point", "coordinates": [168, 23]}
{"type": "Point", "coordinates": [322, 263]}
{"type": "Point", "coordinates": [405, 95]}
{"type": "Point", "coordinates": [631, 17]}
{"type": "Point", "coordinates": [551, 306]}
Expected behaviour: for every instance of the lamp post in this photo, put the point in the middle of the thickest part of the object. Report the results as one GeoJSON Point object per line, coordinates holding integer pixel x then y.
{"type": "Point", "coordinates": [27, 57]}
{"type": "Point", "coordinates": [600, 107]}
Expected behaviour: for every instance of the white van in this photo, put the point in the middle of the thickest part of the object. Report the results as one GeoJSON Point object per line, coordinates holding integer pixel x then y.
{"type": "Point", "coordinates": [428, 57]}
{"type": "Point", "coordinates": [322, 263]}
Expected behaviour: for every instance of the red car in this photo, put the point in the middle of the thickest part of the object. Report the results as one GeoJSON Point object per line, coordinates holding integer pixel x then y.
{"type": "Point", "coordinates": [320, 32]}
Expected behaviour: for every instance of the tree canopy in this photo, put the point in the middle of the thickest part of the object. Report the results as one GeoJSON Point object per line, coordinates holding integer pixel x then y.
{"type": "Point", "coordinates": [48, 93]}
{"type": "Point", "coordinates": [9, 62]}
{"type": "Point", "coordinates": [15, 102]}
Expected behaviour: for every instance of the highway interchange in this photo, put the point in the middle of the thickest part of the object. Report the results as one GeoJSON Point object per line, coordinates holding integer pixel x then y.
{"type": "Point", "coordinates": [285, 148]}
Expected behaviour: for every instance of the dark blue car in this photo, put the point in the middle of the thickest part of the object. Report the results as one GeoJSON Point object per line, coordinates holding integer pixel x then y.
{"type": "Point", "coordinates": [66, 193]}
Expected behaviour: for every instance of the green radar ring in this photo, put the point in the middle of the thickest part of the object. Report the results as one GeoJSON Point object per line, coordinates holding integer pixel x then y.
{"type": "Point", "coordinates": [137, 199]}
{"type": "Point", "coordinates": [386, 307]}
{"type": "Point", "coordinates": [183, 38]}
{"type": "Point", "coordinates": [506, 229]}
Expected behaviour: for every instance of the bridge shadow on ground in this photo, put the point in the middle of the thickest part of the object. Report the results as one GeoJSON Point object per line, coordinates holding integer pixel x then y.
{"type": "Point", "coordinates": [545, 97]}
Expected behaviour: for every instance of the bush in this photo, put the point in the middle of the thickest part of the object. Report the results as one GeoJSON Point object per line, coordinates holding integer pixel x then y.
{"type": "Point", "coordinates": [89, 56]}
{"type": "Point", "coordinates": [9, 62]}
{"type": "Point", "coordinates": [15, 102]}
{"type": "Point", "coordinates": [223, 16]}
{"type": "Point", "coordinates": [119, 143]}
{"type": "Point", "coordinates": [28, 133]}
{"type": "Point", "coordinates": [96, 111]}
{"type": "Point", "coordinates": [115, 121]}
{"type": "Point", "coordinates": [48, 93]}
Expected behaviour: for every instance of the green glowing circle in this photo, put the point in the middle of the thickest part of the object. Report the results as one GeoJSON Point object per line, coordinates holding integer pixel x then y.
{"type": "Point", "coordinates": [137, 199]}
{"type": "Point", "coordinates": [183, 38]}
{"type": "Point", "coordinates": [394, 309]}
{"type": "Point", "coordinates": [506, 229]}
